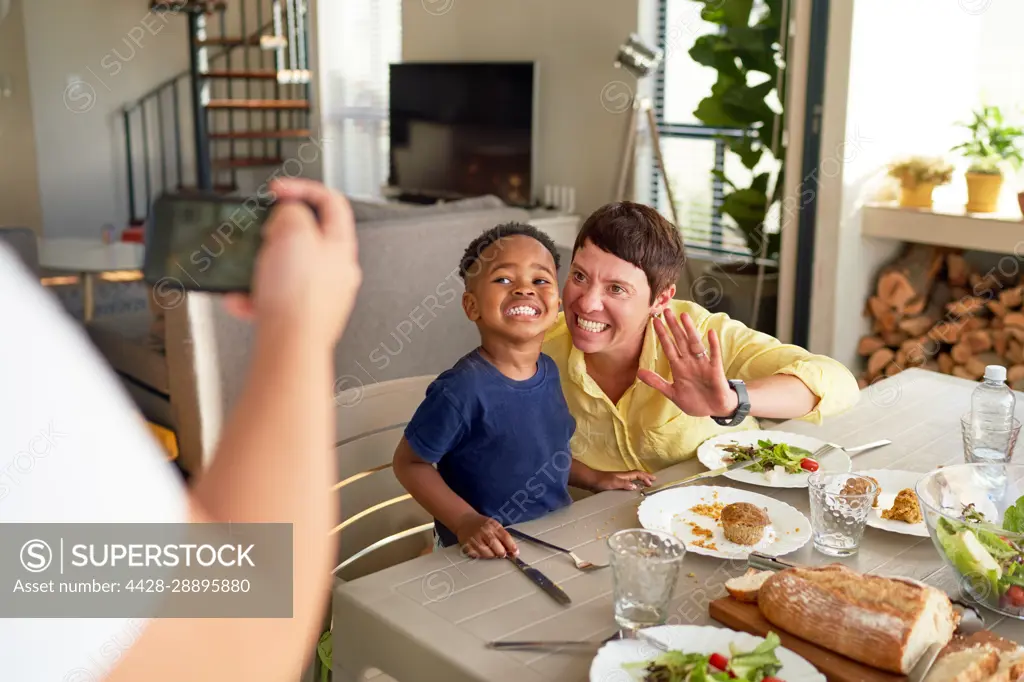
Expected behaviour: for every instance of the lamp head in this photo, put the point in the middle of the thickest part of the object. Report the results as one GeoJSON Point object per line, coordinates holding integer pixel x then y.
{"type": "Point", "coordinates": [637, 58]}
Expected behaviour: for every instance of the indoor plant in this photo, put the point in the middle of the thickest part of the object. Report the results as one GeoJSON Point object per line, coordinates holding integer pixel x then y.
{"type": "Point", "coordinates": [747, 52]}
{"type": "Point", "coordinates": [918, 176]}
{"type": "Point", "coordinates": [993, 144]}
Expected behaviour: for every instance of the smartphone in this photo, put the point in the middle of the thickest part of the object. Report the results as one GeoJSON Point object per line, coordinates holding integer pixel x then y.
{"type": "Point", "coordinates": [204, 242]}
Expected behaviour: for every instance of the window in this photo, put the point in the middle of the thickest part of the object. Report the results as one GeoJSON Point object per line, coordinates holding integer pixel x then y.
{"type": "Point", "coordinates": [691, 149]}
{"type": "Point", "coordinates": [358, 40]}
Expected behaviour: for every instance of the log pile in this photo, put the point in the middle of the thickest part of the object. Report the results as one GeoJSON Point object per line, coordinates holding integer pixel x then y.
{"type": "Point", "coordinates": [931, 309]}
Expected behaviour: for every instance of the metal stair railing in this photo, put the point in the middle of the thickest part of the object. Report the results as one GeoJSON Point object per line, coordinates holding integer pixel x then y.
{"type": "Point", "coordinates": [165, 167]}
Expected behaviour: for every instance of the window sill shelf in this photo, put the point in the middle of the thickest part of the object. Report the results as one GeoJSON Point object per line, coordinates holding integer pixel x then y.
{"type": "Point", "coordinates": [992, 232]}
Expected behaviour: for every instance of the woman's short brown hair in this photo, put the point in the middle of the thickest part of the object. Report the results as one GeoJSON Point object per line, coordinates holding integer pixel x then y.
{"type": "Point", "coordinates": [639, 235]}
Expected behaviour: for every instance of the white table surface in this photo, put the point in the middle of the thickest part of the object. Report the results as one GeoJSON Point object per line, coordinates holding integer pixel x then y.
{"type": "Point", "coordinates": [88, 255]}
{"type": "Point", "coordinates": [429, 618]}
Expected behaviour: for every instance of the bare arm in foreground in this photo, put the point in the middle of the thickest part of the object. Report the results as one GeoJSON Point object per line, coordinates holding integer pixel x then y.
{"type": "Point", "coordinates": [274, 462]}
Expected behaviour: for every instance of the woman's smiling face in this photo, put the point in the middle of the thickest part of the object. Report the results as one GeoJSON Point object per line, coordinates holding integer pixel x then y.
{"type": "Point", "coordinates": [607, 301]}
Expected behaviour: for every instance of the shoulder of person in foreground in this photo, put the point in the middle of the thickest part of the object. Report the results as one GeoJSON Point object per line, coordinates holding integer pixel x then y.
{"type": "Point", "coordinates": [72, 449]}
{"type": "Point", "coordinates": [749, 354]}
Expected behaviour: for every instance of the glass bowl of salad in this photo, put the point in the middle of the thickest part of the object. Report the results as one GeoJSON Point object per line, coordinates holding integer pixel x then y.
{"type": "Point", "coordinates": [975, 517]}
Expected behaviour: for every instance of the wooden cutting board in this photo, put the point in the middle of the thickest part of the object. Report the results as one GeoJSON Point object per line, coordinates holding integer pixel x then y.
{"type": "Point", "coordinates": [837, 668]}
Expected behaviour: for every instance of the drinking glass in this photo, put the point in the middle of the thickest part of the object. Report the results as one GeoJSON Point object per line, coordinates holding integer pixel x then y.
{"type": "Point", "coordinates": [645, 566]}
{"type": "Point", "coordinates": [991, 446]}
{"type": "Point", "coordinates": [840, 504]}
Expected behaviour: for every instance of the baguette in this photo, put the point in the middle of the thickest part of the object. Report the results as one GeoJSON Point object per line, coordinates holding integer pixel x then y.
{"type": "Point", "coordinates": [968, 665]}
{"type": "Point", "coordinates": [745, 587]}
{"type": "Point", "coordinates": [887, 623]}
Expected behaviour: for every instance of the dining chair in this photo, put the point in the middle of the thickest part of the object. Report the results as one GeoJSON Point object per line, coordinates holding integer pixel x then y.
{"type": "Point", "coordinates": [26, 247]}
{"type": "Point", "coordinates": [381, 525]}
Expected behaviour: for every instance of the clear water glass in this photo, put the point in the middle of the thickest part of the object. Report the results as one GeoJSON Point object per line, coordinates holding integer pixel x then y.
{"type": "Point", "coordinates": [645, 567]}
{"type": "Point", "coordinates": [988, 445]}
{"type": "Point", "coordinates": [840, 504]}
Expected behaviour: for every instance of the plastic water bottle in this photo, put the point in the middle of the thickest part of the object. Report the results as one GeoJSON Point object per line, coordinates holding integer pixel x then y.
{"type": "Point", "coordinates": [992, 406]}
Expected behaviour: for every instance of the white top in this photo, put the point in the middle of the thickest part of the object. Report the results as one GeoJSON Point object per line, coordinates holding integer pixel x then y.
{"type": "Point", "coordinates": [73, 448]}
{"type": "Point", "coordinates": [89, 255]}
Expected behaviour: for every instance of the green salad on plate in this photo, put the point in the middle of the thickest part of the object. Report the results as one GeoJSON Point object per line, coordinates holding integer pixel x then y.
{"type": "Point", "coordinates": [757, 665]}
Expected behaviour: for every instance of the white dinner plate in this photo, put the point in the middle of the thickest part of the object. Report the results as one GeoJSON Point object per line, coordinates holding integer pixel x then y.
{"type": "Point", "coordinates": [711, 455]}
{"type": "Point", "coordinates": [610, 663]}
{"type": "Point", "coordinates": [891, 482]}
{"type": "Point", "coordinates": [671, 511]}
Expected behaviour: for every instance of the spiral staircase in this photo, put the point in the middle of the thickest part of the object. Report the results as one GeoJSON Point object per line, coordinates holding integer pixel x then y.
{"type": "Point", "coordinates": [244, 98]}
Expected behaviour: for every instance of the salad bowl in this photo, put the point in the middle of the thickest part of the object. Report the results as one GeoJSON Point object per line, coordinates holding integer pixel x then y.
{"type": "Point", "coordinates": [975, 517]}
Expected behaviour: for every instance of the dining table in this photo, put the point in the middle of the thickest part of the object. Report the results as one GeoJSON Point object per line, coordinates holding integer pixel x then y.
{"type": "Point", "coordinates": [430, 618]}
{"type": "Point", "coordinates": [88, 258]}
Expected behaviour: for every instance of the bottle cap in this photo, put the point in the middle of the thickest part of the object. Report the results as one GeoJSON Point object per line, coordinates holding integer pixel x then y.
{"type": "Point", "coordinates": [995, 373]}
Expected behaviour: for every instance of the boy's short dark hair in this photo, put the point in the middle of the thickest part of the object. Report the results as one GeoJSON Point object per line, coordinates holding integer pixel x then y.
{"type": "Point", "coordinates": [639, 235]}
{"type": "Point", "coordinates": [491, 236]}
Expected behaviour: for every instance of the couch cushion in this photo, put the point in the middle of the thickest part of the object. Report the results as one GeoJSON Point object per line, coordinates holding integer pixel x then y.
{"type": "Point", "coordinates": [124, 340]}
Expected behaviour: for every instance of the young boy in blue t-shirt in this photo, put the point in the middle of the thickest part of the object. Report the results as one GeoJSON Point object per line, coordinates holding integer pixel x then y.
{"type": "Point", "coordinates": [496, 424]}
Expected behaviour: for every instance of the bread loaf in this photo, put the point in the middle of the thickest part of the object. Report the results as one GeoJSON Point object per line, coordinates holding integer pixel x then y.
{"type": "Point", "coordinates": [886, 623]}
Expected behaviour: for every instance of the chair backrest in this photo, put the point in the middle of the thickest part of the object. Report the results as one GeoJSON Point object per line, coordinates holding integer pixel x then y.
{"type": "Point", "coordinates": [23, 241]}
{"type": "Point", "coordinates": [381, 524]}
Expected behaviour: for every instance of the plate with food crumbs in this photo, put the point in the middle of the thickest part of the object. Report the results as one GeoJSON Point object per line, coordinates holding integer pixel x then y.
{"type": "Point", "coordinates": [897, 508]}
{"type": "Point", "coordinates": [783, 460]}
{"type": "Point", "coordinates": [727, 523]}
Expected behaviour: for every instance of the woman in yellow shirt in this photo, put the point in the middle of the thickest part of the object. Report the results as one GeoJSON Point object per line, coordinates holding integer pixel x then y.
{"type": "Point", "coordinates": [648, 377]}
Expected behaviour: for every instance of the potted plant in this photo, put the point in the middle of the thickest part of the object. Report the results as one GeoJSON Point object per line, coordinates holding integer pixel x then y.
{"type": "Point", "coordinates": [748, 56]}
{"type": "Point", "coordinates": [919, 176]}
{"type": "Point", "coordinates": [993, 145]}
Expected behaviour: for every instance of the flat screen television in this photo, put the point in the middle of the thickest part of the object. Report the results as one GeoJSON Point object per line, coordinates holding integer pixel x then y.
{"type": "Point", "coordinates": [462, 129]}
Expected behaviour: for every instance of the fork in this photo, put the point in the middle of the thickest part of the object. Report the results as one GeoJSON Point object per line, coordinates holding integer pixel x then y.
{"type": "Point", "coordinates": [581, 564]}
{"type": "Point", "coordinates": [829, 447]}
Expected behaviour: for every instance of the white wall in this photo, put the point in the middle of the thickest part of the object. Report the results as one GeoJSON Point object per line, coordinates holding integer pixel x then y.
{"type": "Point", "coordinates": [77, 131]}
{"type": "Point", "coordinates": [899, 76]}
{"type": "Point", "coordinates": [581, 121]}
{"type": "Point", "coordinates": [19, 188]}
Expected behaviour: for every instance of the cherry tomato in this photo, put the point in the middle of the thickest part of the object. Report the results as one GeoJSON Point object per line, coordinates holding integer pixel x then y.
{"type": "Point", "coordinates": [719, 661]}
{"type": "Point", "coordinates": [1016, 595]}
{"type": "Point", "coordinates": [771, 678]}
{"type": "Point", "coordinates": [808, 464]}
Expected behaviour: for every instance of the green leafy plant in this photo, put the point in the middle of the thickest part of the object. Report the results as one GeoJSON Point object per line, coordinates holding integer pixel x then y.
{"type": "Point", "coordinates": [993, 142]}
{"type": "Point", "coordinates": [917, 170]}
{"type": "Point", "coordinates": [747, 50]}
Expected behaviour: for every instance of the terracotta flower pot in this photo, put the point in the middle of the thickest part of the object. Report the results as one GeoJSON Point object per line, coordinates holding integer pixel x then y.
{"type": "Point", "coordinates": [1020, 202]}
{"type": "Point", "coordinates": [983, 192]}
{"type": "Point", "coordinates": [916, 196]}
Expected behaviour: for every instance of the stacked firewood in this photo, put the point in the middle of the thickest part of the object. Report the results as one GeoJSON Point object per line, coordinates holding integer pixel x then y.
{"type": "Point", "coordinates": [931, 309]}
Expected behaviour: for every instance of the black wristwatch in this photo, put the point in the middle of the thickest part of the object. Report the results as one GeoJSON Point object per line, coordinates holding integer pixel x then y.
{"type": "Point", "coordinates": [742, 407]}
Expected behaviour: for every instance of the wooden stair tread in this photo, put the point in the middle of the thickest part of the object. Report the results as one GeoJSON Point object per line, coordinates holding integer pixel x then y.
{"type": "Point", "coordinates": [226, 188]}
{"type": "Point", "coordinates": [253, 41]}
{"type": "Point", "coordinates": [268, 74]}
{"type": "Point", "coordinates": [258, 104]}
{"type": "Point", "coordinates": [247, 162]}
{"type": "Point", "coordinates": [174, 6]}
{"type": "Point", "coordinates": [260, 134]}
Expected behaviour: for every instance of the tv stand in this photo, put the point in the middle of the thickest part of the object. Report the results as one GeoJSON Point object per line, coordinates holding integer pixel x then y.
{"type": "Point", "coordinates": [411, 198]}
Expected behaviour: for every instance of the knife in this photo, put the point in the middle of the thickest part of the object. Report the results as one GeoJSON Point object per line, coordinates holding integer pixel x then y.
{"type": "Point", "coordinates": [925, 663]}
{"type": "Point", "coordinates": [541, 580]}
{"type": "Point", "coordinates": [584, 645]}
{"type": "Point", "coordinates": [699, 477]}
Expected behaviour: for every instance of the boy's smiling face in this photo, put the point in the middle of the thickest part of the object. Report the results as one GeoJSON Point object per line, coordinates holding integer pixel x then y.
{"type": "Point", "coordinates": [512, 289]}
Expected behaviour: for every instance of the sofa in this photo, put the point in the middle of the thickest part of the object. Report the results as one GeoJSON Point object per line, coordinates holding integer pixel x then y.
{"type": "Point", "coordinates": [407, 321]}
